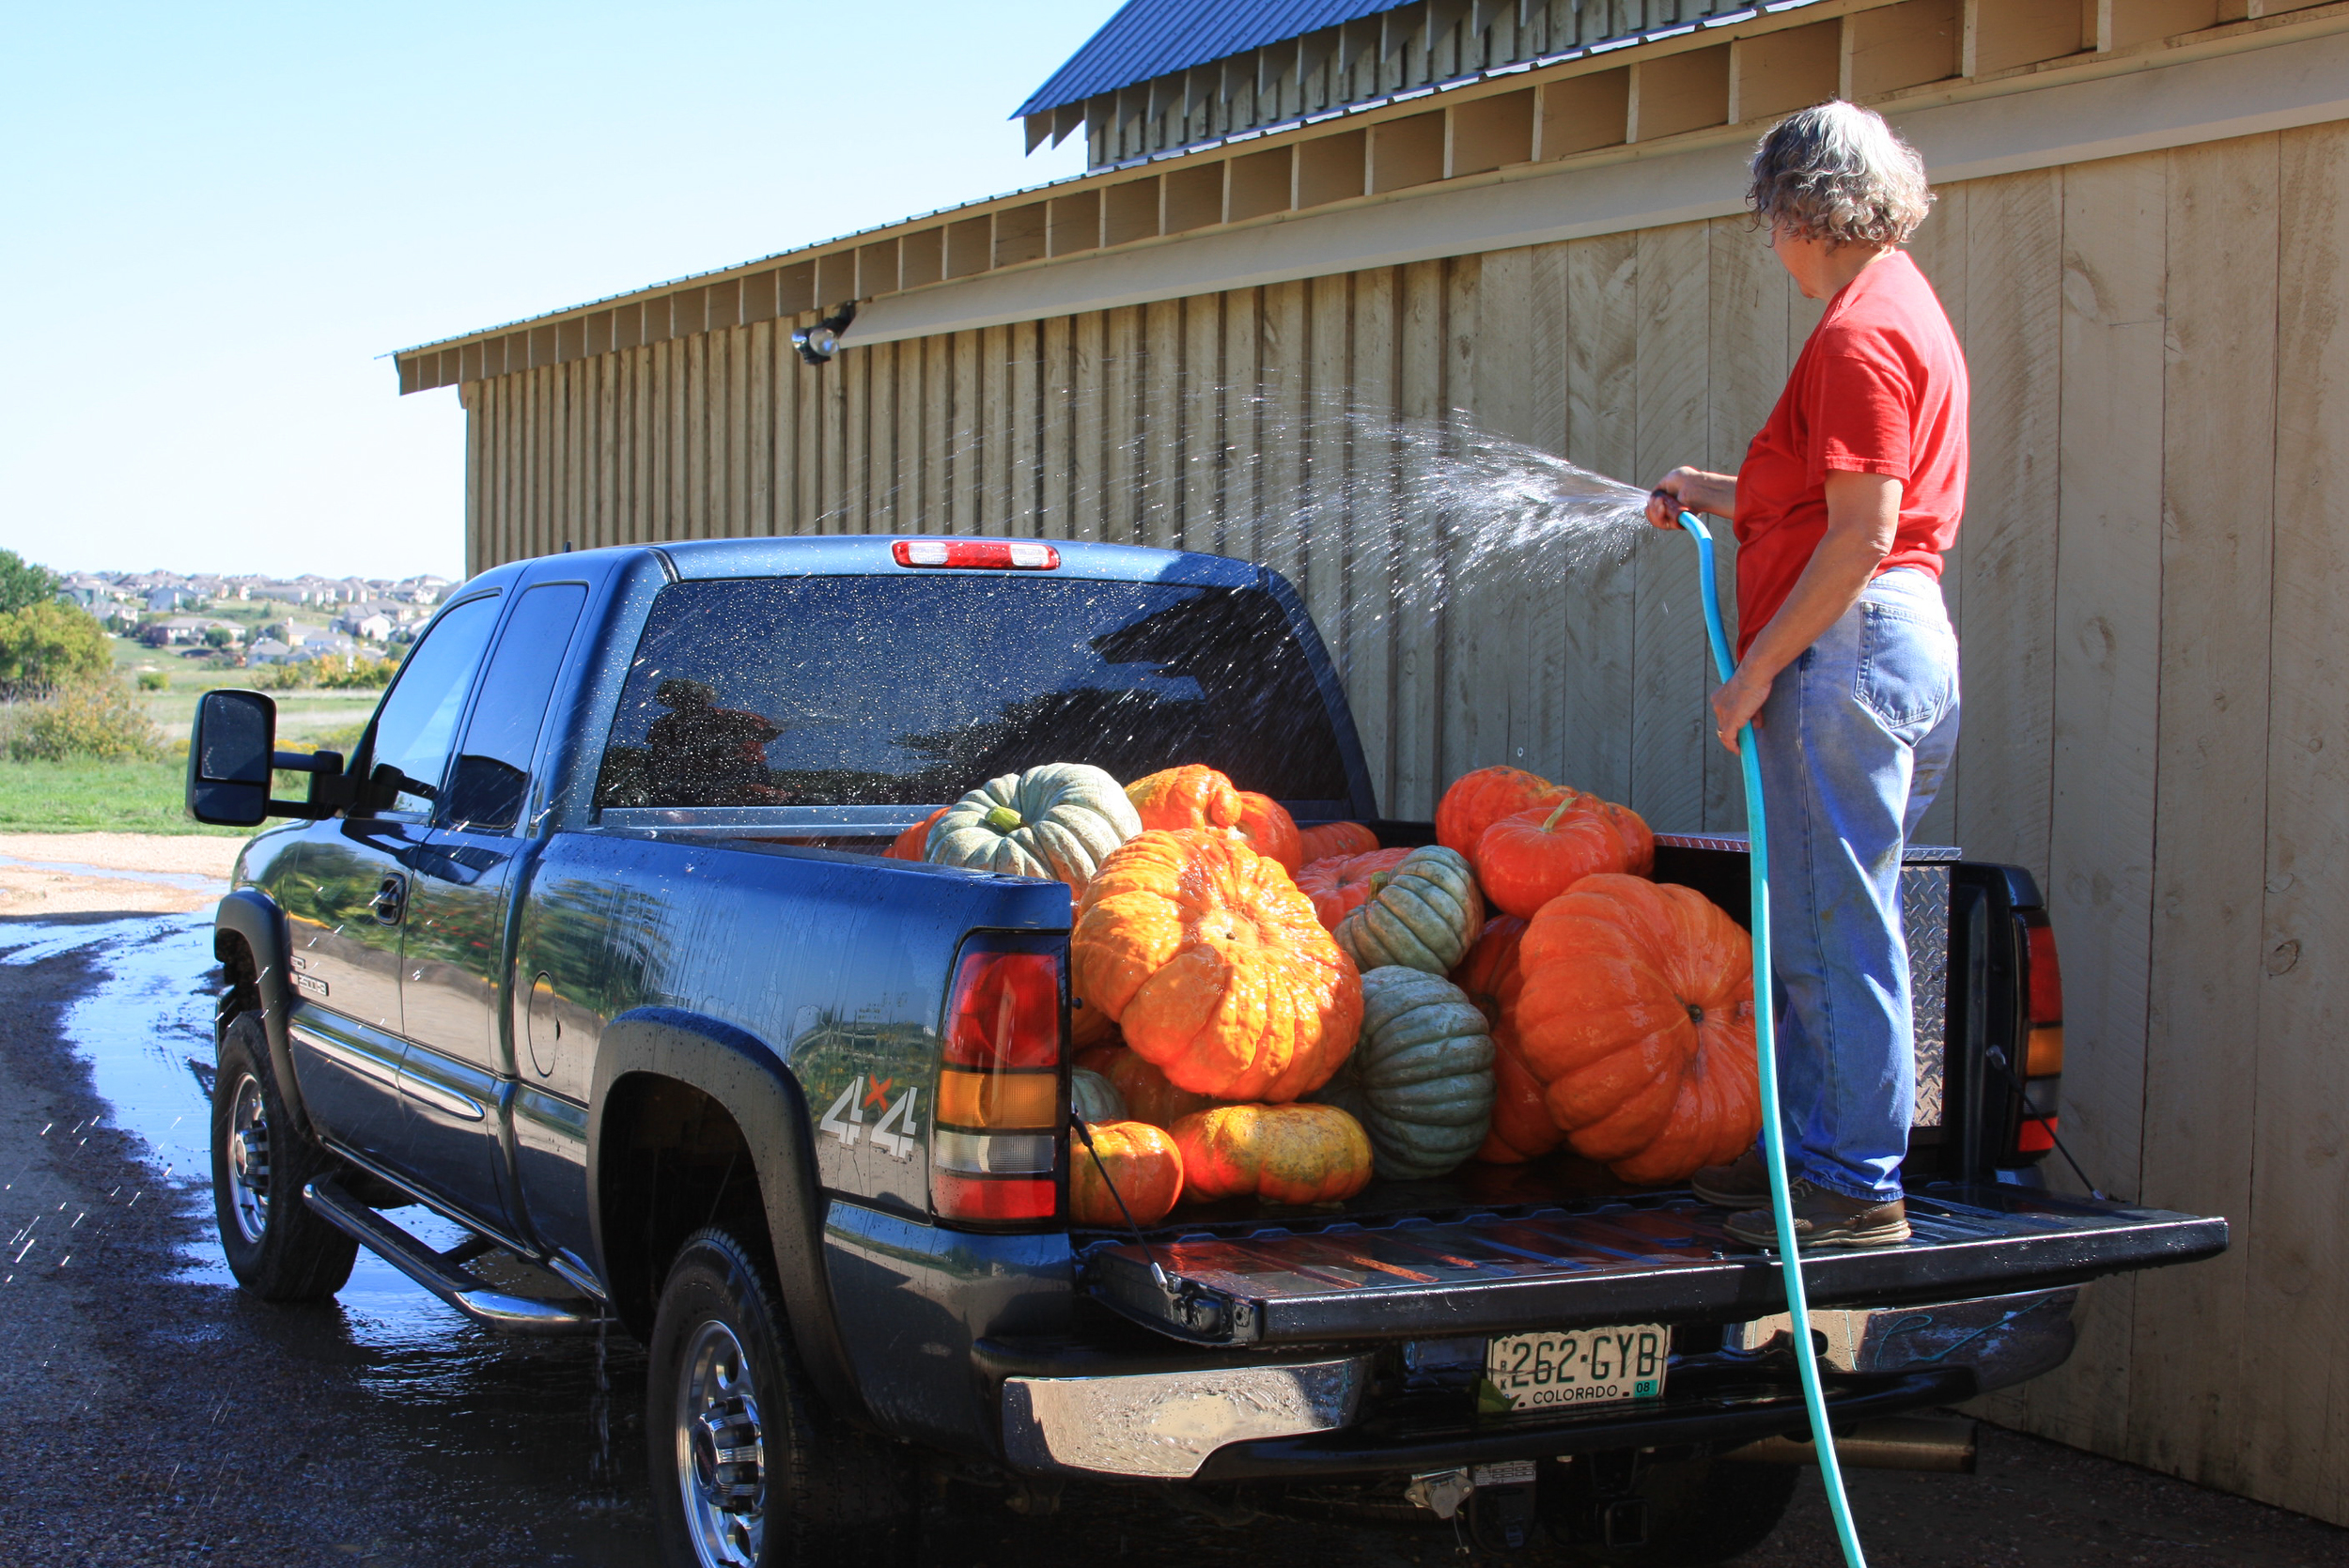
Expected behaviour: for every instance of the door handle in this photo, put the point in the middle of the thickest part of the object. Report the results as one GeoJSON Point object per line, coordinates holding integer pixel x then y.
{"type": "Point", "coordinates": [391, 900]}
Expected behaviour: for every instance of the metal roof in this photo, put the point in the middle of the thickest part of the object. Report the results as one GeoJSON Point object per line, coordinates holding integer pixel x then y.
{"type": "Point", "coordinates": [1153, 38]}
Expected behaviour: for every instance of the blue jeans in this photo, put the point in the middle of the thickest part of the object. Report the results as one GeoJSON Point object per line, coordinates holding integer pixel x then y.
{"type": "Point", "coordinates": [1855, 738]}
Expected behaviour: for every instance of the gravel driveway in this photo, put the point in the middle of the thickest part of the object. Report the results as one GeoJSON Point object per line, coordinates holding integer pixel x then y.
{"type": "Point", "coordinates": [150, 1413]}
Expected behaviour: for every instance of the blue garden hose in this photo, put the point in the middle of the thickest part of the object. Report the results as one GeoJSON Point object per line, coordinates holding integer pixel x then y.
{"type": "Point", "coordinates": [1766, 1063]}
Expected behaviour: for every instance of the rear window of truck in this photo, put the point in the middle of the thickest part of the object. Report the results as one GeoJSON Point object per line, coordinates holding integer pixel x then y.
{"type": "Point", "coordinates": [860, 690]}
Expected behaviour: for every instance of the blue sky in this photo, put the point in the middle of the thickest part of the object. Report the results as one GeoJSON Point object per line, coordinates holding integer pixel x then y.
{"type": "Point", "coordinates": [219, 216]}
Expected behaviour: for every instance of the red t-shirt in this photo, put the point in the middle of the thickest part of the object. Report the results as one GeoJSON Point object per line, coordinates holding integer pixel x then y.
{"type": "Point", "coordinates": [1880, 388]}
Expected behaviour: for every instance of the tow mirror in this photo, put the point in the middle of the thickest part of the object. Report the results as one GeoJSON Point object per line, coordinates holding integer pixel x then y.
{"type": "Point", "coordinates": [231, 755]}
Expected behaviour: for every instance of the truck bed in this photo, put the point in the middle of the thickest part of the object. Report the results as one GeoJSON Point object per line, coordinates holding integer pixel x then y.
{"type": "Point", "coordinates": [1658, 1258]}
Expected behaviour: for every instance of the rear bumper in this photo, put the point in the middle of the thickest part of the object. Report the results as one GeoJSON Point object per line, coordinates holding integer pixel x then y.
{"type": "Point", "coordinates": [1206, 1416]}
{"type": "Point", "coordinates": [1692, 1422]}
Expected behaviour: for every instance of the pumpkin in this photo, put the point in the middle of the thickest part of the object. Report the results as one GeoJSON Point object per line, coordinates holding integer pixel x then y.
{"type": "Point", "coordinates": [1143, 1089]}
{"type": "Point", "coordinates": [1093, 1097]}
{"type": "Point", "coordinates": [911, 843]}
{"type": "Point", "coordinates": [1491, 978]}
{"type": "Point", "coordinates": [1637, 1015]}
{"type": "Point", "coordinates": [1058, 821]}
{"type": "Point", "coordinates": [1191, 796]}
{"type": "Point", "coordinates": [1421, 1079]}
{"type": "Point", "coordinates": [1421, 914]}
{"type": "Point", "coordinates": [1477, 801]}
{"type": "Point", "coordinates": [1529, 858]}
{"type": "Point", "coordinates": [1282, 1154]}
{"type": "Point", "coordinates": [1335, 838]}
{"type": "Point", "coordinates": [1339, 884]}
{"type": "Point", "coordinates": [1213, 967]}
{"type": "Point", "coordinates": [1140, 1159]}
{"type": "Point", "coordinates": [1269, 828]}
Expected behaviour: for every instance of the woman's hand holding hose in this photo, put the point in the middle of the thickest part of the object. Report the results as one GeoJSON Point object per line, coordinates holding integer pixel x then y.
{"type": "Point", "coordinates": [1691, 490]}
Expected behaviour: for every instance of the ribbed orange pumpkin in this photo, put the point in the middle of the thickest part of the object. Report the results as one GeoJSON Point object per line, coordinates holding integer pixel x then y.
{"type": "Point", "coordinates": [1477, 801]}
{"type": "Point", "coordinates": [1490, 974]}
{"type": "Point", "coordinates": [1636, 1015]}
{"type": "Point", "coordinates": [1191, 796]}
{"type": "Point", "coordinates": [1215, 968]}
{"type": "Point", "coordinates": [1141, 1159]}
{"type": "Point", "coordinates": [1529, 858]}
{"type": "Point", "coordinates": [909, 843]}
{"type": "Point", "coordinates": [1282, 1154]}
{"type": "Point", "coordinates": [1269, 830]}
{"type": "Point", "coordinates": [1342, 882]}
{"type": "Point", "coordinates": [1335, 838]}
{"type": "Point", "coordinates": [1147, 1094]}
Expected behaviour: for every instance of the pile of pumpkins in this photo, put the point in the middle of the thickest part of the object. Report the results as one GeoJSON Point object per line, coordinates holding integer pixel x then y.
{"type": "Point", "coordinates": [1282, 1013]}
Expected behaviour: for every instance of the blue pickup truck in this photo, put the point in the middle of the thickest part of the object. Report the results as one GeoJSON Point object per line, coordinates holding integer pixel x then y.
{"type": "Point", "coordinates": [590, 947]}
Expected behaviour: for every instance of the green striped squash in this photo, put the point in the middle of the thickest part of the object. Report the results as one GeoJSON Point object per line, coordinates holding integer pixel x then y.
{"type": "Point", "coordinates": [1420, 1078]}
{"type": "Point", "coordinates": [1424, 915]}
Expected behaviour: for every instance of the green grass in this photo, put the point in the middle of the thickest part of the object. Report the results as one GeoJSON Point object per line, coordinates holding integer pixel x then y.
{"type": "Point", "coordinates": [97, 796]}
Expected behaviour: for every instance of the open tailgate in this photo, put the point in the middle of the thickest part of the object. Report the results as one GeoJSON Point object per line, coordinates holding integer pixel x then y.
{"type": "Point", "coordinates": [1645, 1260]}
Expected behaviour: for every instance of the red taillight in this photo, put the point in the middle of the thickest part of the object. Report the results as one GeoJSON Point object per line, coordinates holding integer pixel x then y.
{"type": "Point", "coordinates": [2038, 1135]}
{"type": "Point", "coordinates": [996, 1134]}
{"type": "Point", "coordinates": [1004, 1011]}
{"type": "Point", "coordinates": [2047, 973]}
{"type": "Point", "coordinates": [977, 555]}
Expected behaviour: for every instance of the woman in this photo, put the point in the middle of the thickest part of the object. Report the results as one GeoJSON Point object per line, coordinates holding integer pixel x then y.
{"type": "Point", "coordinates": [1848, 500]}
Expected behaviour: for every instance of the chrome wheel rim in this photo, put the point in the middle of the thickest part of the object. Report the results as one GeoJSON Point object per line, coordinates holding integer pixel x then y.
{"type": "Point", "coordinates": [721, 1451]}
{"type": "Point", "coordinates": [248, 1160]}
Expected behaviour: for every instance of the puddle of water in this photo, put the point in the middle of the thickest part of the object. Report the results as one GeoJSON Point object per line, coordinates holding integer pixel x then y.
{"type": "Point", "coordinates": [546, 1427]}
{"type": "Point", "coordinates": [192, 881]}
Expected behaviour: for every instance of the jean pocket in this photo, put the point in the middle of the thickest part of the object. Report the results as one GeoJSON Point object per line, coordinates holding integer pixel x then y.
{"type": "Point", "coordinates": [1907, 667]}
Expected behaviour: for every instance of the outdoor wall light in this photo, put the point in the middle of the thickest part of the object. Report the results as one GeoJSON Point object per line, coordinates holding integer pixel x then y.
{"type": "Point", "coordinates": [819, 343]}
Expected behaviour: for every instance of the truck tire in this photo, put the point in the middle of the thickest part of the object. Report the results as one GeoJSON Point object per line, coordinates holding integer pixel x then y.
{"type": "Point", "coordinates": [1701, 1511]}
{"type": "Point", "coordinates": [277, 1247]}
{"type": "Point", "coordinates": [748, 1468]}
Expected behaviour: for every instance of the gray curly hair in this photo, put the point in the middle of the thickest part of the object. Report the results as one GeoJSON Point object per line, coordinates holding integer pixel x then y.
{"type": "Point", "coordinates": [1837, 172]}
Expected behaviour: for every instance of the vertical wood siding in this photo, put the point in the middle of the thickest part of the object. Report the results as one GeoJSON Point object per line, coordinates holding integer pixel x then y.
{"type": "Point", "coordinates": [2151, 589]}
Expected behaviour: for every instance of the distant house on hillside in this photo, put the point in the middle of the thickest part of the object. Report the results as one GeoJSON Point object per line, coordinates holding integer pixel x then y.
{"type": "Point", "coordinates": [269, 650]}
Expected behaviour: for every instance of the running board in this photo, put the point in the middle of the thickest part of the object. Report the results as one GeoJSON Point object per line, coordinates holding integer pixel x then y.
{"type": "Point", "coordinates": [441, 1275]}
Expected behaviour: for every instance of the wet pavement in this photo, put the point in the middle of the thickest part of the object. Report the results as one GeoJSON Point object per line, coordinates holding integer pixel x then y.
{"type": "Point", "coordinates": [150, 1412]}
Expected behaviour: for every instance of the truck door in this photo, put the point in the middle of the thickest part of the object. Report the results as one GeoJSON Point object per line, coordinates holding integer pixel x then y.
{"type": "Point", "coordinates": [355, 877]}
{"type": "Point", "coordinates": [459, 1061]}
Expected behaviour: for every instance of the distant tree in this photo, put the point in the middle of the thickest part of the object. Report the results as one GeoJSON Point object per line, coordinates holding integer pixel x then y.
{"type": "Point", "coordinates": [218, 636]}
{"type": "Point", "coordinates": [46, 645]}
{"type": "Point", "coordinates": [23, 584]}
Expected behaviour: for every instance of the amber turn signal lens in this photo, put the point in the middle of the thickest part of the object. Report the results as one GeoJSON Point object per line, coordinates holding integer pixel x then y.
{"type": "Point", "coordinates": [2043, 1054]}
{"type": "Point", "coordinates": [999, 1102]}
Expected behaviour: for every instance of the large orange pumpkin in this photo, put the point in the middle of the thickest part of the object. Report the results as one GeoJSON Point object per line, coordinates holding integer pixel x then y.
{"type": "Point", "coordinates": [1191, 796]}
{"type": "Point", "coordinates": [1636, 1015]}
{"type": "Point", "coordinates": [1341, 882]}
{"type": "Point", "coordinates": [1215, 967]}
{"type": "Point", "coordinates": [1283, 1154]}
{"type": "Point", "coordinates": [1491, 976]}
{"type": "Point", "coordinates": [1530, 857]}
{"type": "Point", "coordinates": [1269, 830]}
{"type": "Point", "coordinates": [1141, 1159]}
{"type": "Point", "coordinates": [1477, 801]}
{"type": "Point", "coordinates": [911, 843]}
{"type": "Point", "coordinates": [1335, 838]}
{"type": "Point", "coordinates": [1148, 1096]}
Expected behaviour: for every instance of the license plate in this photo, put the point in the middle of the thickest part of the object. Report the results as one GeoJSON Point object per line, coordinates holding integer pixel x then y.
{"type": "Point", "coordinates": [1524, 1373]}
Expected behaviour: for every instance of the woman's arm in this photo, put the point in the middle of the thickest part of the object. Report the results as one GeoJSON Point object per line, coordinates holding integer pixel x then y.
{"type": "Point", "coordinates": [1692, 490]}
{"type": "Point", "coordinates": [1863, 510]}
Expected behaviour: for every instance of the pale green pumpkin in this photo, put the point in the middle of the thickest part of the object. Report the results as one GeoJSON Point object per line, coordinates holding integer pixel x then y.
{"type": "Point", "coordinates": [1059, 821]}
{"type": "Point", "coordinates": [1424, 915]}
{"type": "Point", "coordinates": [1420, 1078]}
{"type": "Point", "coordinates": [1095, 1099]}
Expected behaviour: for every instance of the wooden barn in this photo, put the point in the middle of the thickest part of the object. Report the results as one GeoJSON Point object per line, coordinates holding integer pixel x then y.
{"type": "Point", "coordinates": [1525, 214]}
